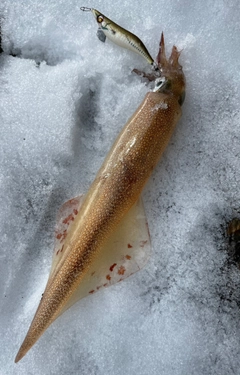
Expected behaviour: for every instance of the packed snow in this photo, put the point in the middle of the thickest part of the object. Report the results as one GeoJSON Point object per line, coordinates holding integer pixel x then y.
{"type": "Point", "coordinates": [63, 99]}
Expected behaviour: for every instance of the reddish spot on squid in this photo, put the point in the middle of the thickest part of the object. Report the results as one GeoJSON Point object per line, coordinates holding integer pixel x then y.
{"type": "Point", "coordinates": [73, 201]}
{"type": "Point", "coordinates": [128, 257]}
{"type": "Point", "coordinates": [105, 284]}
{"type": "Point", "coordinates": [108, 277]}
{"type": "Point", "coordinates": [92, 291]}
{"type": "Point", "coordinates": [112, 266]}
{"type": "Point", "coordinates": [64, 235]}
{"type": "Point", "coordinates": [75, 211]}
{"type": "Point", "coordinates": [129, 246]}
{"type": "Point", "coordinates": [121, 270]}
{"type": "Point", "coordinates": [68, 219]}
{"type": "Point", "coordinates": [58, 236]}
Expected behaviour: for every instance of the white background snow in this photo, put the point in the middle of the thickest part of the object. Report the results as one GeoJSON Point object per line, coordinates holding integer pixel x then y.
{"type": "Point", "coordinates": [181, 314]}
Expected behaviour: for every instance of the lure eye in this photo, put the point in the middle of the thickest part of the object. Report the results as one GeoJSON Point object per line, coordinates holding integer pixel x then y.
{"type": "Point", "coordinates": [100, 19]}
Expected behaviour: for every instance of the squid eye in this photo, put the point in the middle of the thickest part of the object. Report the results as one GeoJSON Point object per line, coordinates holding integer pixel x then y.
{"type": "Point", "coordinates": [159, 84]}
{"type": "Point", "coordinates": [100, 19]}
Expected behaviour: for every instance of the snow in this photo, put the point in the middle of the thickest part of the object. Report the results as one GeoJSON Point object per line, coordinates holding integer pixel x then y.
{"type": "Point", "coordinates": [181, 313]}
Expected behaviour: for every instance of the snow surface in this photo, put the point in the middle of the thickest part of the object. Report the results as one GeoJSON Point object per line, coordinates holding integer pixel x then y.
{"type": "Point", "coordinates": [181, 314]}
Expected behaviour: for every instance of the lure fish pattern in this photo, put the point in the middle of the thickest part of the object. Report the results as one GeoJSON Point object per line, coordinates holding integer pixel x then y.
{"type": "Point", "coordinates": [119, 35]}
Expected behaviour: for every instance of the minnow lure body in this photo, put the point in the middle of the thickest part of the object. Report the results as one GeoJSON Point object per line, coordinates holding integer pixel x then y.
{"type": "Point", "coordinates": [119, 35]}
{"type": "Point", "coordinates": [92, 251]}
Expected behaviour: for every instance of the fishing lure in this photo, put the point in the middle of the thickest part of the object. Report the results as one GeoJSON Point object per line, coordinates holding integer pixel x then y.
{"type": "Point", "coordinates": [119, 35]}
{"type": "Point", "coordinates": [103, 237]}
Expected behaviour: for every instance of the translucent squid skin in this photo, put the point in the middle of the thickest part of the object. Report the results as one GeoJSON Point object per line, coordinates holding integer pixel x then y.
{"type": "Point", "coordinates": [116, 188]}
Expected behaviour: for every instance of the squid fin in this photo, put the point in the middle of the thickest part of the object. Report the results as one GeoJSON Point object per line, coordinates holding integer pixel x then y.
{"type": "Point", "coordinates": [65, 219]}
{"type": "Point", "coordinates": [125, 252]}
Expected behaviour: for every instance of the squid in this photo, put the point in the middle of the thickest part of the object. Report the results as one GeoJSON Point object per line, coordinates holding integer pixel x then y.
{"type": "Point", "coordinates": [102, 237]}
